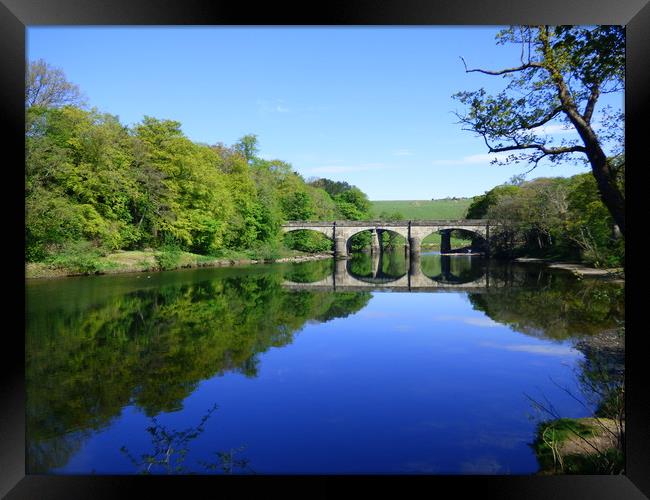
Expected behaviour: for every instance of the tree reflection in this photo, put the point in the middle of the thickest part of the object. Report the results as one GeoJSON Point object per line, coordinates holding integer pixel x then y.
{"type": "Point", "coordinates": [593, 445]}
{"type": "Point", "coordinates": [150, 348]}
{"type": "Point", "coordinates": [170, 448]}
{"type": "Point", "coordinates": [550, 305]}
{"type": "Point", "coordinates": [378, 267]}
{"type": "Point", "coordinates": [456, 269]}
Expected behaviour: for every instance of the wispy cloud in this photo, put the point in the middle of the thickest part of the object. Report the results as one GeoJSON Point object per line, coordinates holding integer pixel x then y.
{"type": "Point", "coordinates": [471, 320]}
{"type": "Point", "coordinates": [547, 350]}
{"type": "Point", "coordinates": [483, 322]}
{"type": "Point", "coordinates": [338, 169]}
{"type": "Point", "coordinates": [272, 106]}
{"type": "Point", "coordinates": [471, 160]}
{"type": "Point", "coordinates": [555, 129]}
{"type": "Point", "coordinates": [402, 152]}
{"type": "Point", "coordinates": [562, 128]}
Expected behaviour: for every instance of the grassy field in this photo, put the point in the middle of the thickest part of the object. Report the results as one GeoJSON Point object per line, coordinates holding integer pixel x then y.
{"type": "Point", "coordinates": [423, 209]}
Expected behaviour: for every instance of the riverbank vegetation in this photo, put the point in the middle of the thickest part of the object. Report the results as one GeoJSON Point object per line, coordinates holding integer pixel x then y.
{"type": "Point", "coordinates": [593, 445]}
{"type": "Point", "coordinates": [150, 345]}
{"type": "Point", "coordinates": [556, 218]}
{"type": "Point", "coordinates": [94, 186]}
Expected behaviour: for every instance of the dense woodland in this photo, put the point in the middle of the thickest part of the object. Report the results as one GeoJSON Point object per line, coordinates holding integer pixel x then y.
{"type": "Point", "coordinates": [95, 186]}
{"type": "Point", "coordinates": [94, 183]}
{"type": "Point", "coordinates": [561, 218]}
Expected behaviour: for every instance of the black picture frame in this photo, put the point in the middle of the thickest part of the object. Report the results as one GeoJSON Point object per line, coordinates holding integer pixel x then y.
{"type": "Point", "coordinates": [16, 15]}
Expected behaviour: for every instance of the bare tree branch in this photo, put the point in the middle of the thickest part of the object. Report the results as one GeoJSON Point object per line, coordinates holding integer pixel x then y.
{"type": "Point", "coordinates": [527, 65]}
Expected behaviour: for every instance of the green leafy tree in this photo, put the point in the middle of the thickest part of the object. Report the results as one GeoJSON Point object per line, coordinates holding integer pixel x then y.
{"type": "Point", "coordinates": [480, 205]}
{"type": "Point", "coordinates": [562, 73]}
{"type": "Point", "coordinates": [353, 204]}
{"type": "Point", "coordinates": [247, 146]}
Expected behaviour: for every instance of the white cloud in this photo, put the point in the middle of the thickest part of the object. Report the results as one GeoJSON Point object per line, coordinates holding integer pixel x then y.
{"type": "Point", "coordinates": [472, 159]}
{"type": "Point", "coordinates": [548, 350]}
{"type": "Point", "coordinates": [484, 322]}
{"type": "Point", "coordinates": [555, 129]}
{"type": "Point", "coordinates": [273, 106]}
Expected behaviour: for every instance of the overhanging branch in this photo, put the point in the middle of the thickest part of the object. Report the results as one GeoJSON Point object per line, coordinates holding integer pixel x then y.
{"type": "Point", "coordinates": [527, 65]}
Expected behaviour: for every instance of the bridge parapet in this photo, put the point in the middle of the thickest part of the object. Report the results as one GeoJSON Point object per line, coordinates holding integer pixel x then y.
{"type": "Point", "coordinates": [413, 230]}
{"type": "Point", "coordinates": [389, 223]}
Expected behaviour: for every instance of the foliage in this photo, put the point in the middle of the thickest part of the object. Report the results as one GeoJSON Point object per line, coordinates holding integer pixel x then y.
{"type": "Point", "coordinates": [555, 306]}
{"type": "Point", "coordinates": [548, 443]}
{"type": "Point", "coordinates": [562, 73]}
{"type": "Point", "coordinates": [168, 256]}
{"type": "Point", "coordinates": [308, 241]}
{"type": "Point", "coordinates": [90, 178]}
{"type": "Point", "coordinates": [78, 258]}
{"type": "Point", "coordinates": [90, 351]}
{"type": "Point", "coordinates": [551, 217]}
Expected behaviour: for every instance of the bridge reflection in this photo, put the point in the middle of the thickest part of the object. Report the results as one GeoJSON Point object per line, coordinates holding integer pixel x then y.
{"type": "Point", "coordinates": [396, 271]}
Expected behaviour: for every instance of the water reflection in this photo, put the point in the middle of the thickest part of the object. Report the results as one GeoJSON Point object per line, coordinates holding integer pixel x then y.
{"type": "Point", "coordinates": [150, 347]}
{"type": "Point", "coordinates": [170, 448]}
{"type": "Point", "coordinates": [397, 271]}
{"type": "Point", "coordinates": [99, 350]}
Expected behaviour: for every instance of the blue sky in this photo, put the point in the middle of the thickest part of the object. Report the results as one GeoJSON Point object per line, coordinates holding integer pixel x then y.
{"type": "Point", "coordinates": [370, 106]}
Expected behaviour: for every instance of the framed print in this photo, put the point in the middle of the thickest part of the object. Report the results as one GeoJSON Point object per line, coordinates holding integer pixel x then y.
{"type": "Point", "coordinates": [350, 296]}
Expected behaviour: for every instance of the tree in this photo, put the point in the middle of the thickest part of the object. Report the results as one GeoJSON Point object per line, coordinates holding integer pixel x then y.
{"type": "Point", "coordinates": [353, 204]}
{"type": "Point", "coordinates": [247, 146]}
{"type": "Point", "coordinates": [332, 188]}
{"type": "Point", "coordinates": [563, 72]}
{"type": "Point", "coordinates": [47, 86]}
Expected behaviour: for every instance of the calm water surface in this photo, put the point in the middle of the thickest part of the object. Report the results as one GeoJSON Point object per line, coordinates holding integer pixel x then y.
{"type": "Point", "coordinates": [369, 366]}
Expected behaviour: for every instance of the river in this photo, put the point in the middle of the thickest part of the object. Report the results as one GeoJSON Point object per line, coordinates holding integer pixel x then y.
{"type": "Point", "coordinates": [366, 366]}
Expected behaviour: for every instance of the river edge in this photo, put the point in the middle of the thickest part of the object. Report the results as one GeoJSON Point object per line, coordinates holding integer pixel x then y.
{"type": "Point", "coordinates": [588, 445]}
{"type": "Point", "coordinates": [146, 263]}
{"type": "Point", "coordinates": [615, 274]}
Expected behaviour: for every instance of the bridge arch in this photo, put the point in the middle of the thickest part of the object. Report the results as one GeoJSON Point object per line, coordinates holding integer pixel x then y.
{"type": "Point", "coordinates": [455, 270]}
{"type": "Point", "coordinates": [309, 239]}
{"type": "Point", "coordinates": [413, 230]}
{"type": "Point", "coordinates": [326, 230]}
{"type": "Point", "coordinates": [477, 236]}
{"type": "Point", "coordinates": [377, 268]}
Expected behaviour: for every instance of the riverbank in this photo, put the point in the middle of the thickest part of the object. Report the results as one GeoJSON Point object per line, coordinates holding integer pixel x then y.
{"type": "Point", "coordinates": [615, 274]}
{"type": "Point", "coordinates": [135, 261]}
{"type": "Point", "coordinates": [590, 445]}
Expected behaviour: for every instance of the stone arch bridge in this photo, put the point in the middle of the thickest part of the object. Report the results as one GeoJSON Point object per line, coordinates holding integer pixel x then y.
{"type": "Point", "coordinates": [414, 280]}
{"type": "Point", "coordinates": [414, 231]}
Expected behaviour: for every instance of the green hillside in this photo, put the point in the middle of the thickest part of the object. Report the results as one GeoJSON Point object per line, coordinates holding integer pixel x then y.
{"type": "Point", "coordinates": [423, 209]}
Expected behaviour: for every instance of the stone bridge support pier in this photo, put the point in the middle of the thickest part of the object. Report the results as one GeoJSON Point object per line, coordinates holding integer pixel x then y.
{"type": "Point", "coordinates": [375, 263]}
{"type": "Point", "coordinates": [414, 264]}
{"type": "Point", "coordinates": [340, 271]}
{"type": "Point", "coordinates": [341, 247]}
{"type": "Point", "coordinates": [375, 244]}
{"type": "Point", "coordinates": [445, 241]}
{"type": "Point", "coordinates": [415, 245]}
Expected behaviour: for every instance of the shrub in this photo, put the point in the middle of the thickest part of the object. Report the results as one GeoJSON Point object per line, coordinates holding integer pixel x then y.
{"type": "Point", "coordinates": [80, 257]}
